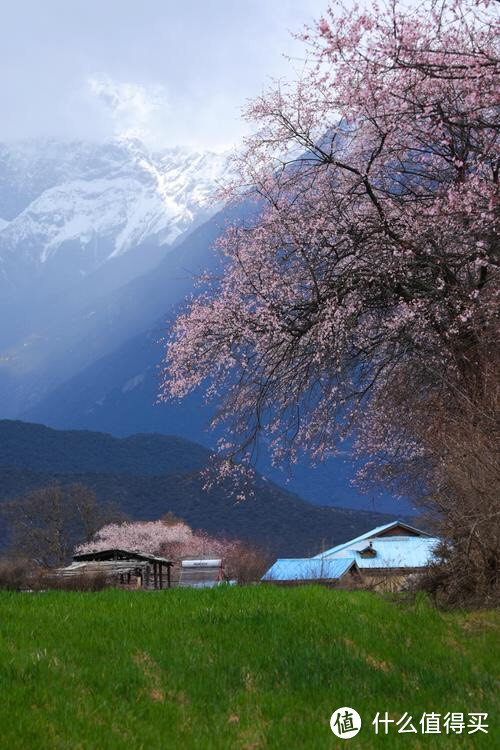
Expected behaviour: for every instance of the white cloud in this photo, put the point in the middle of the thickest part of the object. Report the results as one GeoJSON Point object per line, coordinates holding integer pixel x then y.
{"type": "Point", "coordinates": [135, 110]}
{"type": "Point", "coordinates": [175, 73]}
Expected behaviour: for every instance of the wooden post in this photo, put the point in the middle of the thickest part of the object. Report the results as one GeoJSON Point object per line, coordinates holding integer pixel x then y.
{"type": "Point", "coordinates": [168, 576]}
{"type": "Point", "coordinates": [161, 575]}
{"type": "Point", "coordinates": [155, 575]}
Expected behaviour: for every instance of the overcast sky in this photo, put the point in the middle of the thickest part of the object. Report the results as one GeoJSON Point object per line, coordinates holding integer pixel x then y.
{"type": "Point", "coordinates": [176, 71]}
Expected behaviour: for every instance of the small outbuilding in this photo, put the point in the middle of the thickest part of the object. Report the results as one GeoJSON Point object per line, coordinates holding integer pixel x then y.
{"type": "Point", "coordinates": [125, 567]}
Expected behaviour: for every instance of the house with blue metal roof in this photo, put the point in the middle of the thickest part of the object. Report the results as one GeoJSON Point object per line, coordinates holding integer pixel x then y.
{"type": "Point", "coordinates": [394, 530]}
{"type": "Point", "coordinates": [384, 558]}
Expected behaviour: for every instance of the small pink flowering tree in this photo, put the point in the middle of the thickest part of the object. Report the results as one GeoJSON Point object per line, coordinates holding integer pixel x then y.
{"type": "Point", "coordinates": [172, 540]}
{"type": "Point", "coordinates": [365, 291]}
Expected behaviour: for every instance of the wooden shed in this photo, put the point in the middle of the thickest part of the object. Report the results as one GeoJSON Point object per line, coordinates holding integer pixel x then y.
{"type": "Point", "coordinates": [126, 567]}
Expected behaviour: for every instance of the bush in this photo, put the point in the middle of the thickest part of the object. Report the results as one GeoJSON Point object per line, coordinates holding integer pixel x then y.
{"type": "Point", "coordinates": [14, 575]}
{"type": "Point", "coordinates": [465, 499]}
{"type": "Point", "coordinates": [246, 563]}
{"type": "Point", "coordinates": [459, 579]}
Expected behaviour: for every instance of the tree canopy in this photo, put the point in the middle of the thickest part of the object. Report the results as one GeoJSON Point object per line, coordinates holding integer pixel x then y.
{"type": "Point", "coordinates": [365, 291]}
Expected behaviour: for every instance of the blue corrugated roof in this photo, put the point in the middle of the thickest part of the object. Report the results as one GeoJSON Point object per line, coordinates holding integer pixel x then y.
{"type": "Point", "coordinates": [368, 535]}
{"type": "Point", "coordinates": [308, 569]}
{"type": "Point", "coordinates": [386, 552]}
{"type": "Point", "coordinates": [395, 552]}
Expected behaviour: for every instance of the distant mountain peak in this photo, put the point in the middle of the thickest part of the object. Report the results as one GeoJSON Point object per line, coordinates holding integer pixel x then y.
{"type": "Point", "coordinates": [97, 201]}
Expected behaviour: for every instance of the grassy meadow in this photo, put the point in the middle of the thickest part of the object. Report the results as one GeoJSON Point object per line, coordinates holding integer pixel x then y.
{"type": "Point", "coordinates": [249, 668]}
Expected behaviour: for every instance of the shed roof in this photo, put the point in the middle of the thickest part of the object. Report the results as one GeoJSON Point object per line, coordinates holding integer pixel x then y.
{"type": "Point", "coordinates": [102, 566]}
{"type": "Point", "coordinates": [395, 552]}
{"type": "Point", "coordinates": [372, 534]}
{"type": "Point", "coordinates": [308, 569]}
{"type": "Point", "coordinates": [119, 554]}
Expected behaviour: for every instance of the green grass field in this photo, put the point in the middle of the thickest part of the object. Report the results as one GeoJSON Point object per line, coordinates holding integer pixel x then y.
{"type": "Point", "coordinates": [248, 668]}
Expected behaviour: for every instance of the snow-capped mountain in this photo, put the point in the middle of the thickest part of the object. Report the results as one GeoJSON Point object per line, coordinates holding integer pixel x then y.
{"type": "Point", "coordinates": [96, 255]}
{"type": "Point", "coordinates": [82, 204]}
{"type": "Point", "coordinates": [79, 223]}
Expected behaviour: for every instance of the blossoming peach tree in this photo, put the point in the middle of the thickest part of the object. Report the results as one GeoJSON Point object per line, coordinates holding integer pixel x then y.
{"type": "Point", "coordinates": [174, 540]}
{"type": "Point", "coordinates": [366, 286]}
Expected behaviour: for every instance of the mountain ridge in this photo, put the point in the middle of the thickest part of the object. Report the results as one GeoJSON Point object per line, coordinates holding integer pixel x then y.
{"type": "Point", "coordinates": [87, 355]}
{"type": "Point", "coordinates": [127, 472]}
{"type": "Point", "coordinates": [64, 321]}
{"type": "Point", "coordinates": [36, 447]}
{"type": "Point", "coordinates": [120, 191]}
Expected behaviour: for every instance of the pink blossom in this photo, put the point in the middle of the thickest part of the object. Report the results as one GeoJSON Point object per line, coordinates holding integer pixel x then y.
{"type": "Point", "coordinates": [373, 260]}
{"type": "Point", "coordinates": [158, 538]}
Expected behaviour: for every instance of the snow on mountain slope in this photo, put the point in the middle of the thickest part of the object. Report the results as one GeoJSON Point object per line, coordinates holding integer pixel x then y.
{"type": "Point", "coordinates": [99, 200]}
{"type": "Point", "coordinates": [81, 223]}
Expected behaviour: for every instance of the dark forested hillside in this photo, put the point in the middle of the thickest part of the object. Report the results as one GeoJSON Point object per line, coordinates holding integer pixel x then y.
{"type": "Point", "coordinates": [40, 448]}
{"type": "Point", "coordinates": [149, 475]}
{"type": "Point", "coordinates": [277, 520]}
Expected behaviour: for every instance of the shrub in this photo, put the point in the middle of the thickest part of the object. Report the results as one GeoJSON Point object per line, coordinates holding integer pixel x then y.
{"type": "Point", "coordinates": [14, 575]}
{"type": "Point", "coordinates": [246, 563]}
